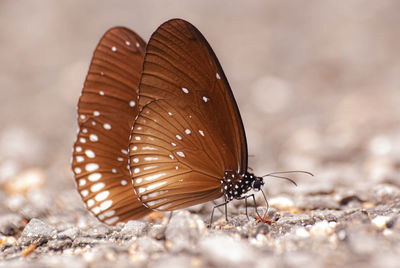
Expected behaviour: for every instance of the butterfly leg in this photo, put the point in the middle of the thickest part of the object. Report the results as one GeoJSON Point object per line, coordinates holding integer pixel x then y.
{"type": "Point", "coordinates": [226, 211]}
{"type": "Point", "coordinates": [245, 203]}
{"type": "Point", "coordinates": [255, 205]}
{"type": "Point", "coordinates": [217, 207]}
{"type": "Point", "coordinates": [161, 236]}
{"type": "Point", "coordinates": [169, 217]}
{"type": "Point", "coordinates": [215, 203]}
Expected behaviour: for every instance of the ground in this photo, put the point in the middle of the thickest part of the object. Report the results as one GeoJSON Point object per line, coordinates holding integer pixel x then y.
{"type": "Point", "coordinates": [317, 84]}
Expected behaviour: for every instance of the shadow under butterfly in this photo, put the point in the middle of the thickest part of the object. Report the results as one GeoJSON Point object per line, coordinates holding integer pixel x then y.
{"type": "Point", "coordinates": [163, 119]}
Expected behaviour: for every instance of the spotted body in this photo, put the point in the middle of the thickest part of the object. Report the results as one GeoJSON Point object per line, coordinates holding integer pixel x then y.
{"type": "Point", "coordinates": [236, 186]}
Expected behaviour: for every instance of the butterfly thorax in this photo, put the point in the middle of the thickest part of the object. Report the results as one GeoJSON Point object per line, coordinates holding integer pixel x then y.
{"type": "Point", "coordinates": [236, 185]}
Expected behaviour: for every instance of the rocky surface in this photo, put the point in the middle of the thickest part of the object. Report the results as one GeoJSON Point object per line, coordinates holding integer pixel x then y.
{"type": "Point", "coordinates": [317, 84]}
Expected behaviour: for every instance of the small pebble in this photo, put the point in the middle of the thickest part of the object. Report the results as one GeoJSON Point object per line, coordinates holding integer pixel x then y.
{"type": "Point", "coordinates": [36, 231]}
{"type": "Point", "coordinates": [71, 233]}
{"type": "Point", "coordinates": [322, 228]}
{"type": "Point", "coordinates": [380, 221]}
{"type": "Point", "coordinates": [184, 230]}
{"type": "Point", "coordinates": [133, 228]}
{"type": "Point", "coordinates": [302, 232]}
{"type": "Point", "coordinates": [222, 250]}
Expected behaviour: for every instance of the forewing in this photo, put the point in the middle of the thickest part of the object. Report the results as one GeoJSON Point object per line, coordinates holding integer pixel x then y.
{"type": "Point", "coordinates": [106, 111]}
{"type": "Point", "coordinates": [181, 68]}
{"type": "Point", "coordinates": [189, 130]}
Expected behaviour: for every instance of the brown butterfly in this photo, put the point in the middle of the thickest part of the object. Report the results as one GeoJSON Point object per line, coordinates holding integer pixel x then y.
{"type": "Point", "coordinates": [178, 130]}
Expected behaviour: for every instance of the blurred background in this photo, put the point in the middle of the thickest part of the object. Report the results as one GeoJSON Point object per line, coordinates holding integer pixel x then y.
{"type": "Point", "coordinates": [317, 83]}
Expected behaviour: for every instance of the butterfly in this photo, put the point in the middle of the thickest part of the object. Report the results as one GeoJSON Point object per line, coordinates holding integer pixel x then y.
{"type": "Point", "coordinates": [159, 127]}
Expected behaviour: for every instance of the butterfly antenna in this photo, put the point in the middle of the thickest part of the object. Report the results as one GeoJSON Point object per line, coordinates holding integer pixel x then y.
{"type": "Point", "coordinates": [285, 178]}
{"type": "Point", "coordinates": [288, 172]}
{"type": "Point", "coordinates": [274, 174]}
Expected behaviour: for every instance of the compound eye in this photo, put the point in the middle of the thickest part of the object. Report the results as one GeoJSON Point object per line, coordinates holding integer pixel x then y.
{"type": "Point", "coordinates": [257, 185]}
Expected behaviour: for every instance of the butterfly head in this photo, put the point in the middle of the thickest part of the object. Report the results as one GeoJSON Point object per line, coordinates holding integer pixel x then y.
{"type": "Point", "coordinates": [257, 183]}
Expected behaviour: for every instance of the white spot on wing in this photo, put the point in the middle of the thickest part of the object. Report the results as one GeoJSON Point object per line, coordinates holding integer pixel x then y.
{"type": "Point", "coordinates": [155, 185]}
{"type": "Point", "coordinates": [77, 170]}
{"type": "Point", "coordinates": [185, 90]}
{"type": "Point", "coordinates": [205, 99]}
{"type": "Point", "coordinates": [124, 151]}
{"type": "Point", "coordinates": [106, 204]}
{"type": "Point", "coordinates": [153, 177]}
{"type": "Point", "coordinates": [217, 76]}
{"type": "Point", "coordinates": [94, 177]}
{"type": "Point", "coordinates": [96, 113]}
{"type": "Point", "coordinates": [97, 187]}
{"type": "Point", "coordinates": [201, 132]}
{"type": "Point", "coordinates": [96, 210]}
{"type": "Point", "coordinates": [107, 126]}
{"type": "Point", "coordinates": [82, 140]}
{"type": "Point", "coordinates": [132, 103]}
{"type": "Point", "coordinates": [82, 182]}
{"type": "Point", "coordinates": [93, 137]}
{"type": "Point", "coordinates": [156, 202]}
{"type": "Point", "coordinates": [84, 193]}
{"type": "Point", "coordinates": [112, 220]}
{"type": "Point", "coordinates": [102, 195]}
{"type": "Point", "coordinates": [142, 190]}
{"type": "Point", "coordinates": [114, 170]}
{"type": "Point", "coordinates": [109, 213]}
{"type": "Point", "coordinates": [178, 137]}
{"type": "Point", "coordinates": [187, 131]}
{"type": "Point", "coordinates": [80, 159]}
{"type": "Point", "coordinates": [148, 148]}
{"type": "Point", "coordinates": [90, 203]}
{"type": "Point", "coordinates": [91, 167]}
{"type": "Point", "coordinates": [101, 93]}
{"type": "Point", "coordinates": [149, 158]}
{"type": "Point", "coordinates": [89, 153]}
{"type": "Point", "coordinates": [149, 167]}
{"type": "Point", "coordinates": [78, 149]}
{"type": "Point", "coordinates": [114, 48]}
{"type": "Point", "coordinates": [124, 182]}
{"type": "Point", "coordinates": [181, 154]}
{"type": "Point", "coordinates": [127, 43]}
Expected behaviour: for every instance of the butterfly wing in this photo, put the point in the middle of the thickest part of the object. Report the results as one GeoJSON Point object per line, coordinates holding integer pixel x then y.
{"type": "Point", "coordinates": [106, 111]}
{"type": "Point", "coordinates": [189, 130]}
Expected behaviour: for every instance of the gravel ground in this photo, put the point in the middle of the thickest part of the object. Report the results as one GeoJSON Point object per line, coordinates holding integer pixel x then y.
{"type": "Point", "coordinates": [317, 83]}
